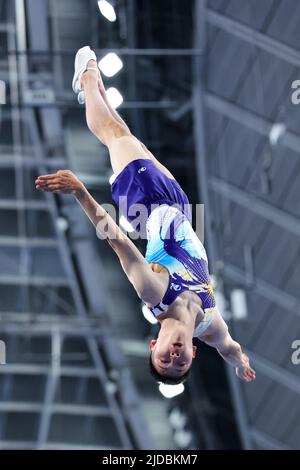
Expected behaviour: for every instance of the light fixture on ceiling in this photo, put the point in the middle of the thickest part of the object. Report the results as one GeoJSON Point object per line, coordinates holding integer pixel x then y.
{"type": "Point", "coordinates": [183, 438]}
{"type": "Point", "coordinates": [170, 391]}
{"type": "Point", "coordinates": [238, 302]}
{"type": "Point", "coordinates": [177, 418]}
{"type": "Point", "coordinates": [114, 97]}
{"type": "Point", "coordinates": [62, 224]}
{"type": "Point", "coordinates": [276, 133]}
{"type": "Point", "coordinates": [2, 92]}
{"type": "Point", "coordinates": [110, 64]}
{"type": "Point", "coordinates": [107, 10]}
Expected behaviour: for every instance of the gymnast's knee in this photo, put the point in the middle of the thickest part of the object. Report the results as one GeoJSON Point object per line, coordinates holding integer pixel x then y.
{"type": "Point", "coordinates": [111, 131]}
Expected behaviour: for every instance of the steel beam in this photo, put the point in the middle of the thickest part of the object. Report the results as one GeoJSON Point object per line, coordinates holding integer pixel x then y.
{"type": "Point", "coordinates": [131, 65]}
{"type": "Point", "coordinates": [254, 37]}
{"type": "Point", "coordinates": [61, 408]}
{"type": "Point", "coordinates": [67, 446]}
{"type": "Point", "coordinates": [239, 406]}
{"type": "Point", "coordinates": [250, 120]}
{"type": "Point", "coordinates": [16, 445]}
{"type": "Point", "coordinates": [274, 372]}
{"type": "Point", "coordinates": [67, 329]}
{"type": "Point", "coordinates": [13, 204]}
{"type": "Point", "coordinates": [34, 281]}
{"type": "Point", "coordinates": [50, 389]}
{"type": "Point", "coordinates": [256, 205]}
{"type": "Point", "coordinates": [37, 18]}
{"type": "Point", "coordinates": [30, 242]}
{"type": "Point", "coordinates": [265, 441]}
{"type": "Point", "coordinates": [199, 126]}
{"type": "Point", "coordinates": [126, 51]}
{"type": "Point", "coordinates": [9, 161]}
{"type": "Point", "coordinates": [46, 319]}
{"type": "Point", "coordinates": [20, 407]}
{"type": "Point", "coordinates": [27, 445]}
{"type": "Point", "coordinates": [273, 294]}
{"type": "Point", "coordinates": [84, 410]}
{"type": "Point", "coordinates": [37, 369]}
{"type": "Point", "coordinates": [71, 103]}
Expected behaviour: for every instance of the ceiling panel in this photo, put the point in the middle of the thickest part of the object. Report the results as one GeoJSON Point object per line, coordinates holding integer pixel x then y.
{"type": "Point", "coordinates": [258, 81]}
{"type": "Point", "coordinates": [285, 24]}
{"type": "Point", "coordinates": [253, 13]}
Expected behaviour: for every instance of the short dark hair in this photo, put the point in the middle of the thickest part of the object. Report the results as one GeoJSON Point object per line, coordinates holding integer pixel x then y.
{"type": "Point", "coordinates": [167, 379]}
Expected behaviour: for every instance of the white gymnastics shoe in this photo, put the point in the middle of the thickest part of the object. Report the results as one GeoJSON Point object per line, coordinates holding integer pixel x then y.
{"type": "Point", "coordinates": [82, 58]}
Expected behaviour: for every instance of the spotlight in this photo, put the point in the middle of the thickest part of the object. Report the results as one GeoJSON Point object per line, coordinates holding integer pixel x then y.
{"type": "Point", "coordinates": [170, 391]}
{"type": "Point", "coordinates": [238, 304]}
{"type": "Point", "coordinates": [110, 64]}
{"type": "Point", "coordinates": [2, 92]}
{"type": "Point", "coordinates": [62, 224]}
{"type": "Point", "coordinates": [111, 387]}
{"type": "Point", "coordinates": [276, 133]}
{"type": "Point", "coordinates": [183, 438]}
{"type": "Point", "coordinates": [114, 97]}
{"type": "Point", "coordinates": [177, 419]}
{"type": "Point", "coordinates": [148, 315]}
{"type": "Point", "coordinates": [107, 10]}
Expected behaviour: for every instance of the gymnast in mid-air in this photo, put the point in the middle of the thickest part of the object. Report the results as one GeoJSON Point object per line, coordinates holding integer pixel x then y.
{"type": "Point", "coordinates": [173, 278]}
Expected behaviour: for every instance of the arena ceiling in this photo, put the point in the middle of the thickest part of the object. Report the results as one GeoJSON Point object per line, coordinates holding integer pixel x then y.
{"type": "Point", "coordinates": [208, 89]}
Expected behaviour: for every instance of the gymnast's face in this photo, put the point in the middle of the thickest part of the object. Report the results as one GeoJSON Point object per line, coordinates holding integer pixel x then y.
{"type": "Point", "coordinates": [172, 358]}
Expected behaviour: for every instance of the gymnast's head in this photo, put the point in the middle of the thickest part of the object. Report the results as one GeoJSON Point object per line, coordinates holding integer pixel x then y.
{"type": "Point", "coordinates": [171, 357]}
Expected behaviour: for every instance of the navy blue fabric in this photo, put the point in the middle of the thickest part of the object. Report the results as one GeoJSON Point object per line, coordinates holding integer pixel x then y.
{"type": "Point", "coordinates": [141, 182]}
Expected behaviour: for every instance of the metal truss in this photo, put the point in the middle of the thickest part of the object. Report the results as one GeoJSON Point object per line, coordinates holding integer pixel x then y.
{"type": "Point", "coordinates": [253, 37]}
{"type": "Point", "coordinates": [126, 428]}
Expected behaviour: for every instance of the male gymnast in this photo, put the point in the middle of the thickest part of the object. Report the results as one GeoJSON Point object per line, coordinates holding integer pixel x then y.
{"type": "Point", "coordinates": [172, 279]}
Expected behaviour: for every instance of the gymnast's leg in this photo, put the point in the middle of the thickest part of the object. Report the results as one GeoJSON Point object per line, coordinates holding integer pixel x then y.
{"type": "Point", "coordinates": [118, 118]}
{"type": "Point", "coordinates": [103, 121]}
{"type": "Point", "coordinates": [123, 147]}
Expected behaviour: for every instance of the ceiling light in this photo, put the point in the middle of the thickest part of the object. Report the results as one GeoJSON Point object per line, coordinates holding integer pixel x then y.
{"type": "Point", "coordinates": [170, 391]}
{"type": "Point", "coordinates": [183, 438]}
{"type": "Point", "coordinates": [114, 97]}
{"type": "Point", "coordinates": [238, 304]}
{"type": "Point", "coordinates": [177, 419]}
{"type": "Point", "coordinates": [110, 64]}
{"type": "Point", "coordinates": [2, 92]}
{"type": "Point", "coordinates": [277, 131]}
{"type": "Point", "coordinates": [107, 10]}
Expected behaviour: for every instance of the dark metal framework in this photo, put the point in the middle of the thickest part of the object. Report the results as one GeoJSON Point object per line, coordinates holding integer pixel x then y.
{"type": "Point", "coordinates": [251, 59]}
{"type": "Point", "coordinates": [229, 81]}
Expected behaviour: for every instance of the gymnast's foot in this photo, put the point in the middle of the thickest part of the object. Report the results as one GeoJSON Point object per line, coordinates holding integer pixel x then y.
{"type": "Point", "coordinates": [82, 58]}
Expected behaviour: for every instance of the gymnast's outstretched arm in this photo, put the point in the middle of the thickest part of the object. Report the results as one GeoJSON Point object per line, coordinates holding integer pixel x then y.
{"type": "Point", "coordinates": [138, 271]}
{"type": "Point", "coordinates": [217, 336]}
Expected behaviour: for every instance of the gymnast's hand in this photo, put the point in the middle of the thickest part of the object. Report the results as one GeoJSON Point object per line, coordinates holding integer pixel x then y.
{"type": "Point", "coordinates": [245, 372]}
{"type": "Point", "coordinates": [63, 181]}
